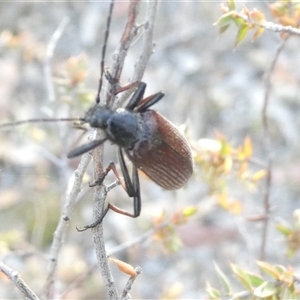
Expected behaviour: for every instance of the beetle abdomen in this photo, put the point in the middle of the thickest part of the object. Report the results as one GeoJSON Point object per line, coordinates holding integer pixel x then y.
{"type": "Point", "coordinates": [164, 155]}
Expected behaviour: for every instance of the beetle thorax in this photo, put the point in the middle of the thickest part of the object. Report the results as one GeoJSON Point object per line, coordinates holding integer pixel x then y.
{"type": "Point", "coordinates": [124, 128]}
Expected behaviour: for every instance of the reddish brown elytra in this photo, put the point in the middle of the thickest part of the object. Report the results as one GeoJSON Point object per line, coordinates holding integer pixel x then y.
{"type": "Point", "coordinates": [168, 156]}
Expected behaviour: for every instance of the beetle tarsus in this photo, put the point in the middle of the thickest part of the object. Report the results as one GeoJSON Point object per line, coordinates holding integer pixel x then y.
{"type": "Point", "coordinates": [96, 223]}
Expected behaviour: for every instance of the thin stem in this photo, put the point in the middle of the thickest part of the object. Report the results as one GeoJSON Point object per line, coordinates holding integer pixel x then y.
{"type": "Point", "coordinates": [267, 148]}
{"type": "Point", "coordinates": [18, 282]}
{"type": "Point", "coordinates": [49, 289]}
{"type": "Point", "coordinates": [125, 293]}
{"type": "Point", "coordinates": [49, 54]}
{"type": "Point", "coordinates": [146, 49]}
{"type": "Point", "coordinates": [119, 56]}
{"type": "Point", "coordinates": [269, 25]}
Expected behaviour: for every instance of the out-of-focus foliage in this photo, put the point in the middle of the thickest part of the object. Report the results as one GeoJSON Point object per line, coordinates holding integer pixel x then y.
{"type": "Point", "coordinates": [245, 20]}
{"type": "Point", "coordinates": [25, 42]}
{"type": "Point", "coordinates": [285, 12]}
{"type": "Point", "coordinates": [219, 161]}
{"type": "Point", "coordinates": [71, 81]}
{"type": "Point", "coordinates": [165, 228]}
{"type": "Point", "coordinates": [291, 232]}
{"type": "Point", "coordinates": [277, 282]}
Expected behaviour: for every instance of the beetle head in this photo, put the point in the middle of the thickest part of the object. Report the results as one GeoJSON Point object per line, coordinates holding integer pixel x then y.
{"type": "Point", "coordinates": [97, 116]}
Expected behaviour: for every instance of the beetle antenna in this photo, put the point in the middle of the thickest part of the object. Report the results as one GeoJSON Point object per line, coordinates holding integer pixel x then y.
{"type": "Point", "coordinates": [41, 120]}
{"type": "Point", "coordinates": [104, 50]}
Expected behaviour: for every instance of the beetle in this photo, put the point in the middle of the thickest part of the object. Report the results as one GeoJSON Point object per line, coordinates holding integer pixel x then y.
{"type": "Point", "coordinates": [150, 141]}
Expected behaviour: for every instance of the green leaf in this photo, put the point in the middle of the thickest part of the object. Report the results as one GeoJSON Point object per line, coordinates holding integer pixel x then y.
{"type": "Point", "coordinates": [225, 19]}
{"type": "Point", "coordinates": [241, 276]}
{"type": "Point", "coordinates": [259, 31]}
{"type": "Point", "coordinates": [243, 29]}
{"type": "Point", "coordinates": [280, 269]}
{"type": "Point", "coordinates": [213, 293]}
{"type": "Point", "coordinates": [189, 211]}
{"type": "Point", "coordinates": [265, 290]}
{"type": "Point", "coordinates": [269, 269]}
{"type": "Point", "coordinates": [287, 293]}
{"type": "Point", "coordinates": [225, 148]}
{"type": "Point", "coordinates": [254, 279]}
{"type": "Point", "coordinates": [238, 20]}
{"type": "Point", "coordinates": [231, 4]}
{"type": "Point", "coordinates": [173, 243]}
{"type": "Point", "coordinates": [224, 280]}
{"type": "Point", "coordinates": [284, 229]}
{"type": "Point", "coordinates": [223, 29]}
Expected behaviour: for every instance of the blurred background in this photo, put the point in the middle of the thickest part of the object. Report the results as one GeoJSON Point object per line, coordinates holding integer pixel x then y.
{"type": "Point", "coordinates": [212, 89]}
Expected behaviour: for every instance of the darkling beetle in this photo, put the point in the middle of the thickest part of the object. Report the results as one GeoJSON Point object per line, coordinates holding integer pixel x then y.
{"type": "Point", "coordinates": [151, 142]}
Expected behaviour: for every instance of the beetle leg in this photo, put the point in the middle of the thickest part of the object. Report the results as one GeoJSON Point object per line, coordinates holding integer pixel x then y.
{"type": "Point", "coordinates": [137, 100]}
{"type": "Point", "coordinates": [97, 222]}
{"type": "Point", "coordinates": [136, 97]}
{"type": "Point", "coordinates": [128, 183]}
{"type": "Point", "coordinates": [117, 89]}
{"type": "Point", "coordinates": [85, 148]}
{"type": "Point", "coordinates": [136, 198]}
{"type": "Point", "coordinates": [141, 104]}
{"type": "Point", "coordinates": [131, 186]}
{"type": "Point", "coordinates": [136, 204]}
{"type": "Point", "coordinates": [149, 101]}
{"type": "Point", "coordinates": [111, 167]}
{"type": "Point", "coordinates": [126, 87]}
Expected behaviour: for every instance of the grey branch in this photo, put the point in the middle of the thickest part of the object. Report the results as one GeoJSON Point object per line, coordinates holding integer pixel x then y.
{"type": "Point", "coordinates": [63, 223]}
{"type": "Point", "coordinates": [49, 54]}
{"type": "Point", "coordinates": [18, 282]}
{"type": "Point", "coordinates": [279, 28]}
{"type": "Point", "coordinates": [125, 294]}
{"type": "Point", "coordinates": [140, 66]}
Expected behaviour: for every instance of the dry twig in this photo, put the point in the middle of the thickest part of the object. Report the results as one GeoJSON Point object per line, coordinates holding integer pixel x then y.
{"type": "Point", "coordinates": [18, 282]}
{"type": "Point", "coordinates": [119, 58]}
{"type": "Point", "coordinates": [70, 202]}
{"type": "Point", "coordinates": [267, 149]}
